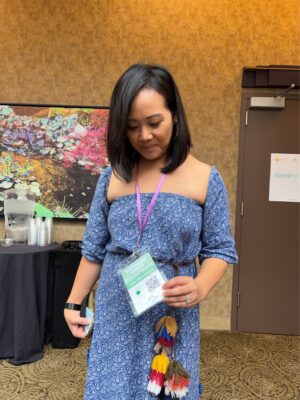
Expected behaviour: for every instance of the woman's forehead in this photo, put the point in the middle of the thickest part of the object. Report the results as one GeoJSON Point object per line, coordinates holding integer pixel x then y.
{"type": "Point", "coordinates": [147, 102]}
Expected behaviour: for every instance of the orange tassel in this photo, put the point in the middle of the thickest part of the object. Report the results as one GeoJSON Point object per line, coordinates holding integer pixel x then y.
{"type": "Point", "coordinates": [170, 324]}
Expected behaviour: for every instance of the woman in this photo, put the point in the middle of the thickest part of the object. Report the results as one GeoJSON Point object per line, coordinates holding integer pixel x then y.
{"type": "Point", "coordinates": [148, 142]}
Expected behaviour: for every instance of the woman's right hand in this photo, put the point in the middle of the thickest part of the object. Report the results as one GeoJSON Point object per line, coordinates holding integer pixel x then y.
{"type": "Point", "coordinates": [76, 323]}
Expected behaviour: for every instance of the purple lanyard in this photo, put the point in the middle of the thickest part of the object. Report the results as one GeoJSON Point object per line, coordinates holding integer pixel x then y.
{"type": "Point", "coordinates": [141, 223]}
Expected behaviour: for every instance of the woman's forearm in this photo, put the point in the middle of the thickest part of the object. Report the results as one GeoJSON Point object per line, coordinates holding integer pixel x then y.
{"type": "Point", "coordinates": [86, 277]}
{"type": "Point", "coordinates": [211, 272]}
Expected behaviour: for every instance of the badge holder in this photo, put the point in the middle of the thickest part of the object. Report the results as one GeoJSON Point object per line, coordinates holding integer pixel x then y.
{"type": "Point", "coordinates": [142, 281]}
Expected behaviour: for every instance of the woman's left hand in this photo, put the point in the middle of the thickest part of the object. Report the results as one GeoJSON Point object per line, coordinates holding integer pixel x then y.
{"type": "Point", "coordinates": [182, 291]}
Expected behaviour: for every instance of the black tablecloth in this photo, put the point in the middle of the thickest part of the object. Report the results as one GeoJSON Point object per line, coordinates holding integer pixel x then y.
{"type": "Point", "coordinates": [65, 265]}
{"type": "Point", "coordinates": [23, 301]}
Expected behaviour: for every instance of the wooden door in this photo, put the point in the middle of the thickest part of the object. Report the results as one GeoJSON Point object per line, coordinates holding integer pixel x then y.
{"type": "Point", "coordinates": [266, 280]}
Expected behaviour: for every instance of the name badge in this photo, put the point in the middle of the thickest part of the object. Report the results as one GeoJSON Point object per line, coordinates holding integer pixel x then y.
{"type": "Point", "coordinates": [143, 282]}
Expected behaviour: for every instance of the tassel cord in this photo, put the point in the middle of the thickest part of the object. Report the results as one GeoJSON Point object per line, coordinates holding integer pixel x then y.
{"type": "Point", "coordinates": [174, 313]}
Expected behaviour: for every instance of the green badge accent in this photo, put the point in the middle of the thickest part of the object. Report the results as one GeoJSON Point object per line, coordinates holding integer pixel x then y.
{"type": "Point", "coordinates": [138, 292]}
{"type": "Point", "coordinates": [138, 270]}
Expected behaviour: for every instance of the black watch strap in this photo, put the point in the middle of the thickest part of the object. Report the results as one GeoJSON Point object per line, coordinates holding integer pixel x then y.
{"type": "Point", "coordinates": [73, 306]}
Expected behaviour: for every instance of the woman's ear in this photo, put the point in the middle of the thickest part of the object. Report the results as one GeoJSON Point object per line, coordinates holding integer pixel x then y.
{"type": "Point", "coordinates": [175, 119]}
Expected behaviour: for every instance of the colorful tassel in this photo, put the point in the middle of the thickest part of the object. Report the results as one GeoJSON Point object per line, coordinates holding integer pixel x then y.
{"type": "Point", "coordinates": [160, 363]}
{"type": "Point", "coordinates": [176, 380]}
{"type": "Point", "coordinates": [165, 330]}
{"type": "Point", "coordinates": [159, 367]}
{"type": "Point", "coordinates": [170, 324]}
{"type": "Point", "coordinates": [168, 374]}
{"type": "Point", "coordinates": [156, 382]}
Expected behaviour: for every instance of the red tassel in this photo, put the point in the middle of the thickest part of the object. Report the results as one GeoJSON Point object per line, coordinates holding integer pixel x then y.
{"type": "Point", "coordinates": [157, 375]}
{"type": "Point", "coordinates": [165, 329]}
{"type": "Point", "coordinates": [176, 380]}
{"type": "Point", "coordinates": [165, 343]}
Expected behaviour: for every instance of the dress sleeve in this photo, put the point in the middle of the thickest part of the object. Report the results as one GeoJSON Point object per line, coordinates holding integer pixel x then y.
{"type": "Point", "coordinates": [216, 238]}
{"type": "Point", "coordinates": [96, 234]}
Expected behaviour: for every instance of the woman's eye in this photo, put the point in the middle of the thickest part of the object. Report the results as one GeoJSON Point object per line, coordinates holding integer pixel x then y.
{"type": "Point", "coordinates": [154, 124]}
{"type": "Point", "coordinates": [131, 128]}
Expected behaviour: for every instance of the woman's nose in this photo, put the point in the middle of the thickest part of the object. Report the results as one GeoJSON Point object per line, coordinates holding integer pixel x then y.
{"type": "Point", "coordinates": [145, 133]}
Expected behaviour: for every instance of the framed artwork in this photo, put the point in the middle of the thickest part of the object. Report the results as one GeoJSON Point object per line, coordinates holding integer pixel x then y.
{"type": "Point", "coordinates": [57, 152]}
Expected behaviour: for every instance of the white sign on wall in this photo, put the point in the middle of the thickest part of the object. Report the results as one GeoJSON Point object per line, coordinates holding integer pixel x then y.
{"type": "Point", "coordinates": [285, 177]}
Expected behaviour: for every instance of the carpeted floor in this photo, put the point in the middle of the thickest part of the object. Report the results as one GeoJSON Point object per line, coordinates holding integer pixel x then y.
{"type": "Point", "coordinates": [234, 366]}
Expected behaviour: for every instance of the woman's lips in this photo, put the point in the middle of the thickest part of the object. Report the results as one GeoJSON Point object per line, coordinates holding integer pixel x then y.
{"type": "Point", "coordinates": [148, 147]}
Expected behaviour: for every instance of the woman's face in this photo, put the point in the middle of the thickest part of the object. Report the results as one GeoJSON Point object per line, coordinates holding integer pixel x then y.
{"type": "Point", "coordinates": [150, 125]}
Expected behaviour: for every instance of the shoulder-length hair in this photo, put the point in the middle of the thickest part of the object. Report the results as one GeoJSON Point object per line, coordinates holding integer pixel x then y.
{"type": "Point", "coordinates": [121, 154]}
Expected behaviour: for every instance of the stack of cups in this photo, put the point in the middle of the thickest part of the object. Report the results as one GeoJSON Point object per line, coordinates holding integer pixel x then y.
{"type": "Point", "coordinates": [40, 231]}
{"type": "Point", "coordinates": [42, 235]}
{"type": "Point", "coordinates": [31, 236]}
{"type": "Point", "coordinates": [49, 229]}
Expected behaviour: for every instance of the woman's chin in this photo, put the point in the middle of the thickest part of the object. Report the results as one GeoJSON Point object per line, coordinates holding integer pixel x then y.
{"type": "Point", "coordinates": [153, 157]}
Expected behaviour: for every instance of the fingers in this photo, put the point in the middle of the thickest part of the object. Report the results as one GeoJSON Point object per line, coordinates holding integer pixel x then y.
{"type": "Point", "coordinates": [80, 321]}
{"type": "Point", "coordinates": [182, 304]}
{"type": "Point", "coordinates": [178, 291]}
{"type": "Point", "coordinates": [179, 286]}
{"type": "Point", "coordinates": [78, 331]}
{"type": "Point", "coordinates": [177, 281]}
{"type": "Point", "coordinates": [181, 301]}
{"type": "Point", "coordinates": [181, 291]}
{"type": "Point", "coordinates": [76, 323]}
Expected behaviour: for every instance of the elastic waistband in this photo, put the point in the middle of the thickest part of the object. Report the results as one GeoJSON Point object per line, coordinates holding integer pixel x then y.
{"type": "Point", "coordinates": [173, 263]}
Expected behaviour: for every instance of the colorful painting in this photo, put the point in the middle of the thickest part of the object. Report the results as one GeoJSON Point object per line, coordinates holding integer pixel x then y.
{"type": "Point", "coordinates": [57, 152]}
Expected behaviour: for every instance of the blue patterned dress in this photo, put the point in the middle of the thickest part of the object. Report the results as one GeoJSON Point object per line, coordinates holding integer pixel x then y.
{"type": "Point", "coordinates": [179, 229]}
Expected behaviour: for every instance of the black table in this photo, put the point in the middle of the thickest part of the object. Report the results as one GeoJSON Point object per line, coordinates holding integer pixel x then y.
{"type": "Point", "coordinates": [23, 301]}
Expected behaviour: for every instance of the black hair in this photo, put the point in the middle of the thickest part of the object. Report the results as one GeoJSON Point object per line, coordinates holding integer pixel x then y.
{"type": "Point", "coordinates": [121, 154]}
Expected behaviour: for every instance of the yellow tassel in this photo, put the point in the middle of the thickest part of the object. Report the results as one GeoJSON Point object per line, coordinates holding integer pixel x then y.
{"type": "Point", "coordinates": [170, 323]}
{"type": "Point", "coordinates": [160, 363]}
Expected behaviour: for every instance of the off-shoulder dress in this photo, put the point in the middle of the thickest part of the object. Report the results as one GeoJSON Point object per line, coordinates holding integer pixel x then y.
{"type": "Point", "coordinates": [178, 231]}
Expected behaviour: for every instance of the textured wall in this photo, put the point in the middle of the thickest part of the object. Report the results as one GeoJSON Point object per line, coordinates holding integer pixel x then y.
{"type": "Point", "coordinates": [72, 52]}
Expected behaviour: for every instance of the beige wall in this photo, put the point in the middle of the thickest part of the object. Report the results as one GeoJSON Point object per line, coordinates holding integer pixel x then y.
{"type": "Point", "coordinates": [72, 52]}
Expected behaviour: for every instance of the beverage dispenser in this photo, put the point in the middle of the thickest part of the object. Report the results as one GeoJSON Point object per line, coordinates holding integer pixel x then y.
{"type": "Point", "coordinates": [19, 207]}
